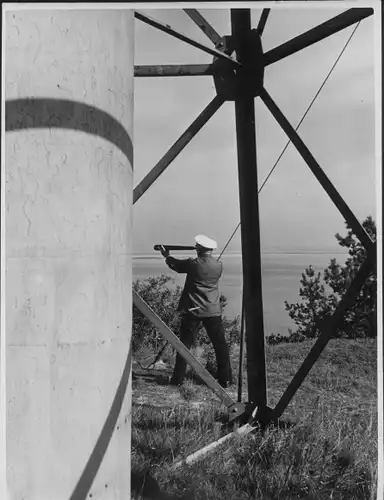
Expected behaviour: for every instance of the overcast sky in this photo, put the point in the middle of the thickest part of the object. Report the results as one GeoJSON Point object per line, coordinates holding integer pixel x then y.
{"type": "Point", "coordinates": [198, 193]}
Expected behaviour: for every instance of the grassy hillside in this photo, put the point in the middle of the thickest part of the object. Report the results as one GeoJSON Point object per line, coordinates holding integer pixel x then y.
{"type": "Point", "coordinates": [329, 452]}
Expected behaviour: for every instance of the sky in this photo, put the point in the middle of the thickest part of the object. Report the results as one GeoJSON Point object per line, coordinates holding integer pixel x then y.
{"type": "Point", "coordinates": [198, 193]}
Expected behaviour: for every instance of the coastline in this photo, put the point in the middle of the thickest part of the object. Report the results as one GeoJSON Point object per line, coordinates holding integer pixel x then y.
{"type": "Point", "coordinates": [281, 281]}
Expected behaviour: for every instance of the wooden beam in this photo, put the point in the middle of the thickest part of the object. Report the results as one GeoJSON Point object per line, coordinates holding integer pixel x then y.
{"type": "Point", "coordinates": [176, 149]}
{"type": "Point", "coordinates": [241, 353]}
{"type": "Point", "coordinates": [170, 31]}
{"type": "Point", "coordinates": [174, 70]}
{"type": "Point", "coordinates": [320, 175]}
{"type": "Point", "coordinates": [233, 407]}
{"type": "Point", "coordinates": [249, 215]}
{"type": "Point", "coordinates": [328, 328]}
{"type": "Point", "coordinates": [210, 448]}
{"type": "Point", "coordinates": [314, 35]}
{"type": "Point", "coordinates": [204, 25]}
{"type": "Point", "coordinates": [263, 21]}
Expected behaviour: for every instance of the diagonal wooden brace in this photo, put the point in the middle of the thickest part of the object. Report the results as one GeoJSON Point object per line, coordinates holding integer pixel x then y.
{"type": "Point", "coordinates": [180, 36]}
{"type": "Point", "coordinates": [234, 409]}
{"type": "Point", "coordinates": [328, 328]}
{"type": "Point", "coordinates": [317, 171]}
{"type": "Point", "coordinates": [263, 21]}
{"type": "Point", "coordinates": [316, 34]}
{"type": "Point", "coordinates": [177, 148]}
{"type": "Point", "coordinates": [204, 25]}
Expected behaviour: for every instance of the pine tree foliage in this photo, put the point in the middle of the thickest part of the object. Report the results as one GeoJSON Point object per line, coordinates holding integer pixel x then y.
{"type": "Point", "coordinates": [360, 319]}
{"type": "Point", "coordinates": [313, 306]}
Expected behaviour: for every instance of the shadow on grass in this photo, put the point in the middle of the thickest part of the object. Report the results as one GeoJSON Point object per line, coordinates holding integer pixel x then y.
{"type": "Point", "coordinates": [145, 487]}
{"type": "Point", "coordinates": [158, 423]}
{"type": "Point", "coordinates": [154, 454]}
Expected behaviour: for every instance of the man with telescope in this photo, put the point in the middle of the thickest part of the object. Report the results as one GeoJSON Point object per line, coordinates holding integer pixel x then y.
{"type": "Point", "coordinates": [200, 302]}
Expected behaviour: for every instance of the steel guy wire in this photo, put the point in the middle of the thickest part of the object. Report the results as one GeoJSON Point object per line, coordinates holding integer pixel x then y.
{"type": "Point", "coordinates": [297, 127]}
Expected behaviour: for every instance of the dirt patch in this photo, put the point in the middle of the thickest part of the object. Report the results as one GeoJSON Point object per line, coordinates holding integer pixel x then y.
{"type": "Point", "coordinates": [150, 388]}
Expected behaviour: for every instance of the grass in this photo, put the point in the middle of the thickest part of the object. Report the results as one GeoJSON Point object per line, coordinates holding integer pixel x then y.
{"type": "Point", "coordinates": [329, 453]}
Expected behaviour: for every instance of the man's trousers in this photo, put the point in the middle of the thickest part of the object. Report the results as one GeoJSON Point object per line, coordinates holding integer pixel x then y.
{"type": "Point", "coordinates": [215, 330]}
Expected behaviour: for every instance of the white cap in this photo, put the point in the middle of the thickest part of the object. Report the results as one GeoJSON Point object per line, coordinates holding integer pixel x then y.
{"type": "Point", "coordinates": [205, 242]}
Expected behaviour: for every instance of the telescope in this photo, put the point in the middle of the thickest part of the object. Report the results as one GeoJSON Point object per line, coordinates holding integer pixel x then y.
{"type": "Point", "coordinates": [174, 247]}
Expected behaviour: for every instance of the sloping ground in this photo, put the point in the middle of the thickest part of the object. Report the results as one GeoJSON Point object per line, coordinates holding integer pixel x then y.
{"type": "Point", "coordinates": [149, 389]}
{"type": "Point", "coordinates": [345, 374]}
{"type": "Point", "coordinates": [330, 452]}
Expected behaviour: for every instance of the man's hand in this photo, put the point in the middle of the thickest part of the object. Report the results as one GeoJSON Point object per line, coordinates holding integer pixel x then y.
{"type": "Point", "coordinates": [164, 252]}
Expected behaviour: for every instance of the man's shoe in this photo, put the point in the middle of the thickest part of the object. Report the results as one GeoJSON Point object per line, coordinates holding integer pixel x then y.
{"type": "Point", "coordinates": [226, 384]}
{"type": "Point", "coordinates": [175, 382]}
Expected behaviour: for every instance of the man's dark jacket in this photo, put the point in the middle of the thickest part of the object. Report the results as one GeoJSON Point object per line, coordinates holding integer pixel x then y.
{"type": "Point", "coordinates": [201, 289]}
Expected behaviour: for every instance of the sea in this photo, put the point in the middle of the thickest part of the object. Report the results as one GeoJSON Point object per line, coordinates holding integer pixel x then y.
{"type": "Point", "coordinates": [281, 274]}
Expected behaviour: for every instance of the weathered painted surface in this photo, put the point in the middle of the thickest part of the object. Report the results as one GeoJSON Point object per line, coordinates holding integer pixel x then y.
{"type": "Point", "coordinates": [69, 175]}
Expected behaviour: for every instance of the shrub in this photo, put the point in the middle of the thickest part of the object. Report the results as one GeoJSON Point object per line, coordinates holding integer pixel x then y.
{"type": "Point", "coordinates": [162, 295]}
{"type": "Point", "coordinates": [360, 319]}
